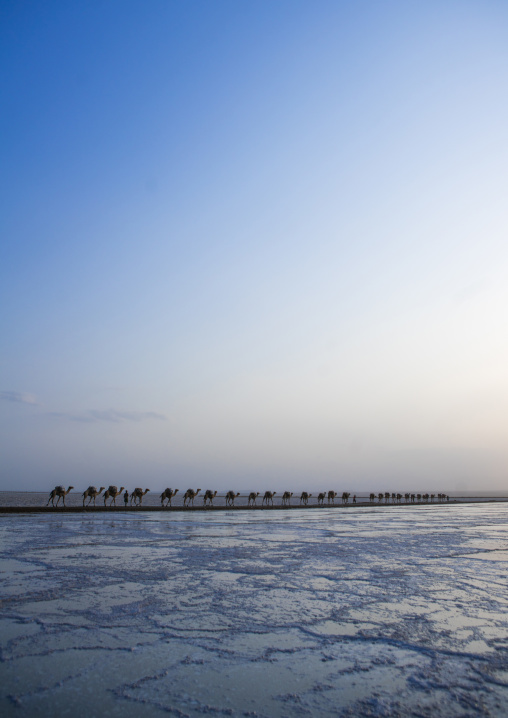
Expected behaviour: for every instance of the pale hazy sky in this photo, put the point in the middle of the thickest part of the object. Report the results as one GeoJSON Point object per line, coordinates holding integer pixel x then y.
{"type": "Point", "coordinates": [254, 244]}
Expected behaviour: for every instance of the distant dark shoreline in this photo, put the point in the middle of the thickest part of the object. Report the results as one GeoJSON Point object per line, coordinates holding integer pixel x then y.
{"type": "Point", "coordinates": [208, 509]}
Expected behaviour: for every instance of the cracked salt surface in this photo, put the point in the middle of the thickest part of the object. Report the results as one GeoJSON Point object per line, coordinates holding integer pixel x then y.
{"type": "Point", "coordinates": [369, 612]}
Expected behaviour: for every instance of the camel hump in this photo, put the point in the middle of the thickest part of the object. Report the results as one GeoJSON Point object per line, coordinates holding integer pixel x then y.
{"type": "Point", "coordinates": [59, 488]}
{"type": "Point", "coordinates": [113, 490]}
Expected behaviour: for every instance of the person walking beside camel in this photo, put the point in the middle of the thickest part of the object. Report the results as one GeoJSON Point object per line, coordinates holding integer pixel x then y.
{"type": "Point", "coordinates": [126, 498]}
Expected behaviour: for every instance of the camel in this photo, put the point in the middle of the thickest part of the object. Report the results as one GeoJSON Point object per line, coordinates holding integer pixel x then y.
{"type": "Point", "coordinates": [91, 493]}
{"type": "Point", "coordinates": [168, 494]}
{"type": "Point", "coordinates": [189, 496]}
{"type": "Point", "coordinates": [252, 498]}
{"type": "Point", "coordinates": [387, 497]}
{"type": "Point", "coordinates": [137, 495]}
{"type": "Point", "coordinates": [286, 498]}
{"type": "Point", "coordinates": [304, 498]}
{"type": "Point", "coordinates": [406, 497]}
{"type": "Point", "coordinates": [379, 498]}
{"type": "Point", "coordinates": [112, 493]}
{"type": "Point", "coordinates": [209, 495]}
{"type": "Point", "coordinates": [320, 499]}
{"type": "Point", "coordinates": [372, 498]}
{"type": "Point", "coordinates": [60, 492]}
{"type": "Point", "coordinates": [230, 498]}
{"type": "Point", "coordinates": [268, 497]}
{"type": "Point", "coordinates": [345, 497]}
{"type": "Point", "coordinates": [331, 496]}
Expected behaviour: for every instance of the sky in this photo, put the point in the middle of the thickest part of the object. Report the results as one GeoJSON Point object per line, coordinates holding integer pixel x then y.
{"type": "Point", "coordinates": [254, 244]}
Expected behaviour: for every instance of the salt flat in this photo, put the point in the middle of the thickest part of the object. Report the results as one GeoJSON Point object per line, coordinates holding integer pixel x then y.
{"type": "Point", "coordinates": [372, 611]}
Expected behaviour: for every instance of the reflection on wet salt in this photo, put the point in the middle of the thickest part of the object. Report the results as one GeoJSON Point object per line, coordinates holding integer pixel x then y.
{"type": "Point", "coordinates": [343, 628]}
{"type": "Point", "coordinates": [364, 612]}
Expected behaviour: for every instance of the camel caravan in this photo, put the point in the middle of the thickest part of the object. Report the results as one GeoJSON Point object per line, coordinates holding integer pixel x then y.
{"type": "Point", "coordinates": [135, 498]}
{"type": "Point", "coordinates": [408, 498]}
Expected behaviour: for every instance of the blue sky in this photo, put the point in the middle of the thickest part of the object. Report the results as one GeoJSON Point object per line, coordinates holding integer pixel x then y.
{"type": "Point", "coordinates": [254, 244]}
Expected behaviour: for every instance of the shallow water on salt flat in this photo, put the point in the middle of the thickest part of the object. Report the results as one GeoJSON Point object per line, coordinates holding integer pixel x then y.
{"type": "Point", "coordinates": [367, 612]}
